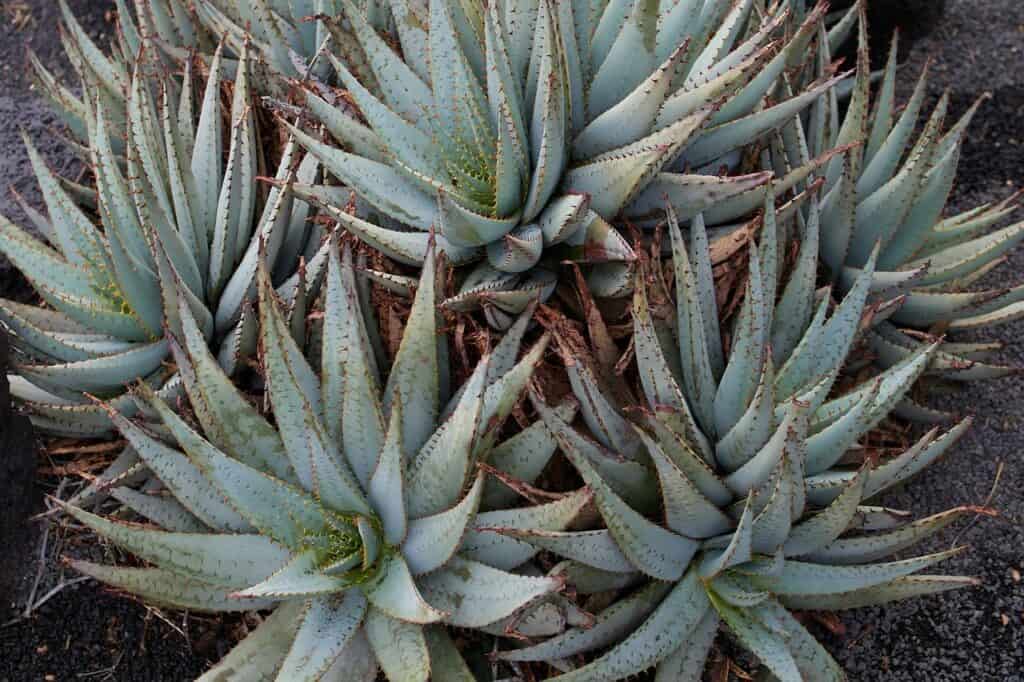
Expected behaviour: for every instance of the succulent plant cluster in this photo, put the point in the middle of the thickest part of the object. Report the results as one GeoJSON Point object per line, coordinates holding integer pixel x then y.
{"type": "Point", "coordinates": [758, 511]}
{"type": "Point", "coordinates": [210, 298]}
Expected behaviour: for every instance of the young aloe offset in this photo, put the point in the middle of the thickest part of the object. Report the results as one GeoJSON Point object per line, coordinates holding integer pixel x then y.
{"type": "Point", "coordinates": [355, 517]}
{"type": "Point", "coordinates": [172, 211]}
{"type": "Point", "coordinates": [743, 457]}
{"type": "Point", "coordinates": [517, 130]}
{"type": "Point", "coordinates": [893, 189]}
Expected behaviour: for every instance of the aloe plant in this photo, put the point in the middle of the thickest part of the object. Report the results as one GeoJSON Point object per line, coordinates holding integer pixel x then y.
{"type": "Point", "coordinates": [894, 188]}
{"type": "Point", "coordinates": [354, 517]}
{"type": "Point", "coordinates": [742, 456]}
{"type": "Point", "coordinates": [518, 131]}
{"type": "Point", "coordinates": [171, 210]}
{"type": "Point", "coordinates": [541, 132]}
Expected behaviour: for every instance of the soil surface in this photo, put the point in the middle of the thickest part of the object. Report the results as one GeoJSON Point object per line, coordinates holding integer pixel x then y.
{"type": "Point", "coordinates": [977, 47]}
{"type": "Point", "coordinates": [85, 632]}
{"type": "Point", "coordinates": [19, 496]}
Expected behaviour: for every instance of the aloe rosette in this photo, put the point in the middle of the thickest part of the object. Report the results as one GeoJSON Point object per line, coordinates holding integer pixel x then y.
{"type": "Point", "coordinates": [893, 188]}
{"type": "Point", "coordinates": [762, 511]}
{"type": "Point", "coordinates": [518, 131]}
{"type": "Point", "coordinates": [355, 517]}
{"type": "Point", "coordinates": [170, 210]}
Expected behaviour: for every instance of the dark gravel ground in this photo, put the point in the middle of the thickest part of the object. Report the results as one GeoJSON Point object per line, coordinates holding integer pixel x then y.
{"type": "Point", "coordinates": [977, 634]}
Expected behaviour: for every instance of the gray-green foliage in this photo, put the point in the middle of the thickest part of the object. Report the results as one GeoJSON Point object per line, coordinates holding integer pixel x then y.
{"type": "Point", "coordinates": [172, 210]}
{"type": "Point", "coordinates": [518, 131]}
{"type": "Point", "coordinates": [512, 136]}
{"type": "Point", "coordinates": [758, 509]}
{"type": "Point", "coordinates": [357, 516]}
{"type": "Point", "coordinates": [177, 30]}
{"type": "Point", "coordinates": [289, 37]}
{"type": "Point", "coordinates": [893, 188]}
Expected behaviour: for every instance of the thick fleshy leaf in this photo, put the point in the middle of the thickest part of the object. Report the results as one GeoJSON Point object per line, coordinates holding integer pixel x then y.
{"type": "Point", "coordinates": [266, 244]}
{"type": "Point", "coordinates": [446, 662]}
{"type": "Point", "coordinates": [485, 544]}
{"type": "Point", "coordinates": [689, 195]}
{"type": "Point", "coordinates": [740, 379]}
{"type": "Point", "coordinates": [629, 479]}
{"type": "Point", "coordinates": [523, 457]}
{"type": "Point", "coordinates": [659, 636]}
{"type": "Point", "coordinates": [614, 179]}
{"type": "Point", "coordinates": [632, 117]}
{"type": "Point", "coordinates": [549, 125]}
{"type": "Point", "coordinates": [325, 629]}
{"type": "Point", "coordinates": [227, 418]}
{"type": "Point", "coordinates": [220, 559]}
{"type": "Point", "coordinates": [400, 647]}
{"type": "Point", "coordinates": [386, 487]}
{"type": "Point", "coordinates": [73, 233]}
{"type": "Point", "coordinates": [383, 187]}
{"type": "Point", "coordinates": [414, 376]}
{"type": "Point", "coordinates": [895, 590]}
{"type": "Point", "coordinates": [926, 451]}
{"type": "Point", "coordinates": [658, 380]}
{"type": "Point", "coordinates": [170, 589]}
{"type": "Point", "coordinates": [432, 540]}
{"type": "Point", "coordinates": [402, 88]}
{"type": "Point", "coordinates": [724, 138]}
{"type": "Point", "coordinates": [699, 346]}
{"type": "Point", "coordinates": [99, 375]}
{"type": "Point", "coordinates": [349, 376]}
{"type": "Point", "coordinates": [593, 548]}
{"type": "Point", "coordinates": [438, 472]}
{"type": "Point", "coordinates": [600, 415]}
{"type": "Point", "coordinates": [736, 547]}
{"type": "Point", "coordinates": [865, 548]}
{"type": "Point", "coordinates": [183, 478]}
{"type": "Point", "coordinates": [66, 287]}
{"type": "Point", "coordinates": [824, 527]}
{"type": "Point", "coordinates": [687, 511]}
{"type": "Point", "coordinates": [798, 578]}
{"type": "Point", "coordinates": [395, 593]}
{"type": "Point", "coordinates": [476, 595]}
{"type": "Point", "coordinates": [299, 578]}
{"type": "Point", "coordinates": [686, 664]}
